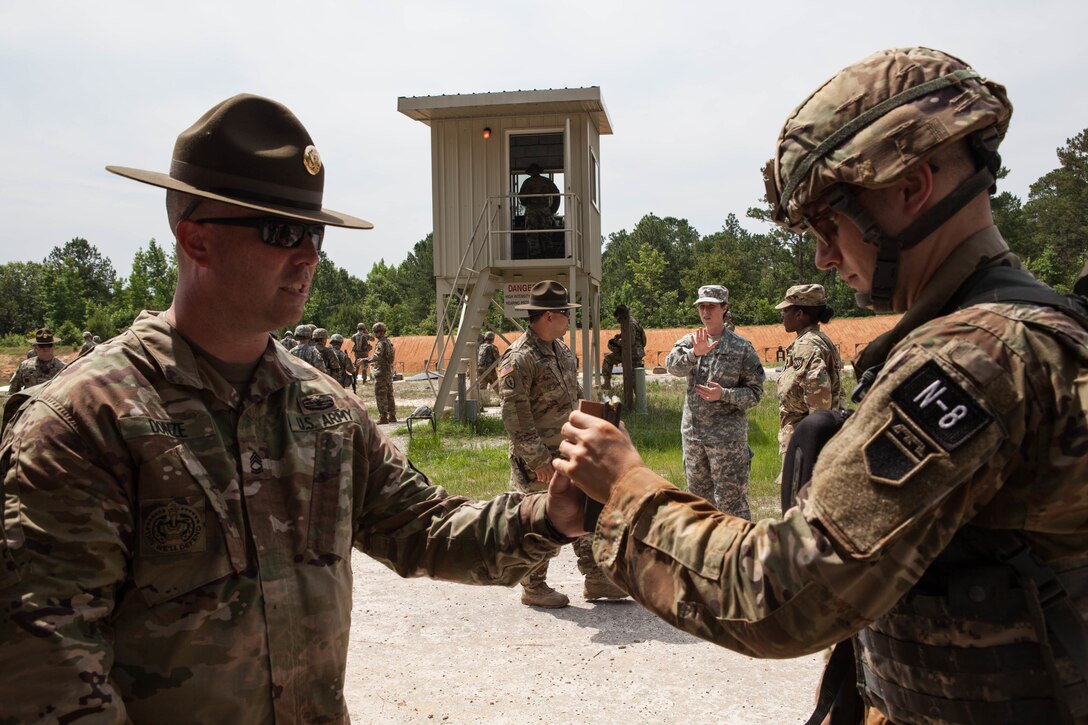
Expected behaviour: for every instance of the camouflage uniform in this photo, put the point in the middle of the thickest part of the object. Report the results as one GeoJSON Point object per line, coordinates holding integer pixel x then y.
{"type": "Point", "coordinates": [345, 375]}
{"type": "Point", "coordinates": [811, 380]}
{"type": "Point", "coordinates": [383, 358]}
{"type": "Point", "coordinates": [486, 357]}
{"type": "Point", "coordinates": [717, 458]}
{"type": "Point", "coordinates": [539, 211]}
{"type": "Point", "coordinates": [177, 552]}
{"type": "Point", "coordinates": [538, 383]}
{"type": "Point", "coordinates": [1013, 457]}
{"type": "Point", "coordinates": [289, 343]}
{"type": "Point", "coordinates": [34, 372]}
{"type": "Point", "coordinates": [86, 347]}
{"type": "Point", "coordinates": [361, 350]}
{"type": "Point", "coordinates": [615, 349]}
{"type": "Point", "coordinates": [307, 352]}
{"type": "Point", "coordinates": [331, 361]}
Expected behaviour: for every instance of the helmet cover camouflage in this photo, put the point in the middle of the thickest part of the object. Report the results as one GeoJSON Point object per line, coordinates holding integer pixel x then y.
{"type": "Point", "coordinates": [337, 337]}
{"type": "Point", "coordinates": [304, 332]}
{"type": "Point", "coordinates": [874, 122]}
{"type": "Point", "coordinates": [378, 327]}
{"type": "Point", "coordinates": [321, 334]}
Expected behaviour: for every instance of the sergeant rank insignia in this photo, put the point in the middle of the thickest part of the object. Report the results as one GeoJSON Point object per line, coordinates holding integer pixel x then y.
{"type": "Point", "coordinates": [931, 415]}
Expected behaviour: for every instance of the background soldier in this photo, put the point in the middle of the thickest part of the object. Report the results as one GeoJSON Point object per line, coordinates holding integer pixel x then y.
{"type": "Point", "coordinates": [288, 340]}
{"type": "Point", "coordinates": [303, 350]}
{"type": "Point", "coordinates": [944, 525]}
{"type": "Point", "coordinates": [43, 366]}
{"type": "Point", "coordinates": [811, 378]}
{"type": "Point", "coordinates": [332, 363]}
{"type": "Point", "coordinates": [486, 356]}
{"type": "Point", "coordinates": [88, 343]}
{"type": "Point", "coordinates": [361, 349]}
{"type": "Point", "coordinates": [181, 506]}
{"type": "Point", "coordinates": [725, 379]}
{"type": "Point", "coordinates": [346, 376]}
{"type": "Point", "coordinates": [540, 197]}
{"type": "Point", "coordinates": [615, 347]}
{"type": "Point", "coordinates": [539, 386]}
{"type": "Point", "coordinates": [382, 359]}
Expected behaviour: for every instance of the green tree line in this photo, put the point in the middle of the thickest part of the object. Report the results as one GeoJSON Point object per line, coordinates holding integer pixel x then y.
{"type": "Point", "coordinates": [655, 269]}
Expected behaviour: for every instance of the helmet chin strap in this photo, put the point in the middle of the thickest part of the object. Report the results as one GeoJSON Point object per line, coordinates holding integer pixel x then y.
{"type": "Point", "coordinates": [885, 272]}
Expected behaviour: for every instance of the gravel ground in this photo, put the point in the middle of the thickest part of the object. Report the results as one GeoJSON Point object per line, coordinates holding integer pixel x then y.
{"type": "Point", "coordinates": [424, 651]}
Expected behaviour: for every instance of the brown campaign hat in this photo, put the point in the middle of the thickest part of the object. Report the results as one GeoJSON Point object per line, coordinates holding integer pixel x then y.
{"type": "Point", "coordinates": [803, 295]}
{"type": "Point", "coordinates": [250, 152]}
{"type": "Point", "coordinates": [42, 337]}
{"type": "Point", "coordinates": [547, 296]}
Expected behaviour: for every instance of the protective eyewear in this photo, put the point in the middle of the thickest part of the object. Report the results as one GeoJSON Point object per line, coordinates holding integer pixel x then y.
{"type": "Point", "coordinates": [275, 231]}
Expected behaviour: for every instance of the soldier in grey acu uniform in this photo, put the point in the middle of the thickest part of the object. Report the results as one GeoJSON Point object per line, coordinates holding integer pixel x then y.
{"type": "Point", "coordinates": [304, 350]}
{"type": "Point", "coordinates": [539, 387]}
{"type": "Point", "coordinates": [725, 378]}
{"type": "Point", "coordinates": [288, 340]}
{"type": "Point", "coordinates": [40, 368]}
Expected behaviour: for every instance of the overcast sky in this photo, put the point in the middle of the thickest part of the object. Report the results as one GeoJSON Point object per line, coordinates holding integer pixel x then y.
{"type": "Point", "coordinates": [696, 91]}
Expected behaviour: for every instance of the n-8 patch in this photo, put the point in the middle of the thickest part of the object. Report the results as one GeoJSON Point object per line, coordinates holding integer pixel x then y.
{"type": "Point", "coordinates": [931, 416]}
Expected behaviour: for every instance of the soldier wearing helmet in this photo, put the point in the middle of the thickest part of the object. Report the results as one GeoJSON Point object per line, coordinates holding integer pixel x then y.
{"type": "Point", "coordinates": [345, 377]}
{"type": "Point", "coordinates": [486, 357]}
{"type": "Point", "coordinates": [943, 529]}
{"type": "Point", "coordinates": [288, 340]}
{"type": "Point", "coordinates": [305, 350]}
{"type": "Point", "coordinates": [382, 359]}
{"type": "Point", "coordinates": [360, 348]}
{"type": "Point", "coordinates": [328, 357]}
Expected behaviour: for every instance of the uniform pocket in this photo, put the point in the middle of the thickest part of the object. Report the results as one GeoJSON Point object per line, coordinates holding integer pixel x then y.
{"type": "Point", "coordinates": [184, 538]}
{"type": "Point", "coordinates": [330, 529]}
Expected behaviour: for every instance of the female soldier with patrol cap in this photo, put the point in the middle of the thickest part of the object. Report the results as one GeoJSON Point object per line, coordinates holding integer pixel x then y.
{"type": "Point", "coordinates": [944, 527]}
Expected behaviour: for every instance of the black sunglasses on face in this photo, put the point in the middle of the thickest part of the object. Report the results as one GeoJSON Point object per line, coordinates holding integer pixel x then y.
{"type": "Point", "coordinates": [275, 231]}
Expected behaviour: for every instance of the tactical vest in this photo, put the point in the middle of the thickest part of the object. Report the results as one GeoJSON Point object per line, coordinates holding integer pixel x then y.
{"type": "Point", "coordinates": [989, 633]}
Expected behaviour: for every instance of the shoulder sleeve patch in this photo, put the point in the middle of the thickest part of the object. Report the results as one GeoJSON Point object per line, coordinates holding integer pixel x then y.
{"type": "Point", "coordinates": [937, 405]}
{"type": "Point", "coordinates": [506, 369]}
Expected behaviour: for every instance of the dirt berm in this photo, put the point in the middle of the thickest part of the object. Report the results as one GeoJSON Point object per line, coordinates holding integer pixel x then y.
{"type": "Point", "coordinates": [424, 651]}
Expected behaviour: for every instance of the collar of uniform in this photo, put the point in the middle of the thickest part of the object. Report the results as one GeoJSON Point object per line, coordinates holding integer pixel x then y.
{"type": "Point", "coordinates": [545, 348]}
{"type": "Point", "coordinates": [180, 366]}
{"type": "Point", "coordinates": [986, 248]}
{"type": "Point", "coordinates": [814, 327]}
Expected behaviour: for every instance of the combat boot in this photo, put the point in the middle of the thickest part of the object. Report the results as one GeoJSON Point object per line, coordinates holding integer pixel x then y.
{"type": "Point", "coordinates": [539, 594]}
{"type": "Point", "coordinates": [599, 587]}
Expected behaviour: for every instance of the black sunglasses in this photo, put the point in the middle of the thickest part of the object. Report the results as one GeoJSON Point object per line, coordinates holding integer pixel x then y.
{"type": "Point", "coordinates": [274, 230]}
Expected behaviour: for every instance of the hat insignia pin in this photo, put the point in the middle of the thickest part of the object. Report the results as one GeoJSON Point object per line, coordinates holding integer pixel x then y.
{"type": "Point", "coordinates": [311, 159]}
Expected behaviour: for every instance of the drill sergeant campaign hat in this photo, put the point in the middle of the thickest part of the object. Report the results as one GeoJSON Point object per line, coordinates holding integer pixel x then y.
{"type": "Point", "coordinates": [250, 152]}
{"type": "Point", "coordinates": [715, 293]}
{"type": "Point", "coordinates": [803, 295]}
{"type": "Point", "coordinates": [43, 336]}
{"type": "Point", "coordinates": [547, 296]}
{"type": "Point", "coordinates": [870, 125]}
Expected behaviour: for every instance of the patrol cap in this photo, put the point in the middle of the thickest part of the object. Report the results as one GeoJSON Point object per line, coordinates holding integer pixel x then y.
{"type": "Point", "coordinates": [713, 293]}
{"type": "Point", "coordinates": [803, 295]}
{"type": "Point", "coordinates": [251, 152]}
{"type": "Point", "coordinates": [547, 296]}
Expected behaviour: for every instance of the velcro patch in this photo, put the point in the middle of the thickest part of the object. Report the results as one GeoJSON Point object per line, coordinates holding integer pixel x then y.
{"type": "Point", "coordinates": [506, 369]}
{"type": "Point", "coordinates": [172, 526]}
{"type": "Point", "coordinates": [302, 423]}
{"type": "Point", "coordinates": [898, 450]}
{"type": "Point", "coordinates": [316, 402]}
{"type": "Point", "coordinates": [937, 405]}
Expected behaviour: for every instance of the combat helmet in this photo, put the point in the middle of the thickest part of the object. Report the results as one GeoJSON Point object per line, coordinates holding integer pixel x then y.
{"type": "Point", "coordinates": [337, 337]}
{"type": "Point", "coordinates": [489, 336]}
{"type": "Point", "coordinates": [378, 327]}
{"type": "Point", "coordinates": [872, 123]}
{"type": "Point", "coordinates": [321, 334]}
{"type": "Point", "coordinates": [304, 332]}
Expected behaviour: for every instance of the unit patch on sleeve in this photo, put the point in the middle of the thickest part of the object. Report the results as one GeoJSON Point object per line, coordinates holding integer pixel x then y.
{"type": "Point", "coordinates": [934, 402]}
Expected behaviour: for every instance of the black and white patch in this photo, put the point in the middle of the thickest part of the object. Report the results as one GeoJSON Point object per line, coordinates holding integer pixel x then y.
{"type": "Point", "coordinates": [936, 404]}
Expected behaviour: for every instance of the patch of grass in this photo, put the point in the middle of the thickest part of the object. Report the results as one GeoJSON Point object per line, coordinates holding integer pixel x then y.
{"type": "Point", "coordinates": [471, 459]}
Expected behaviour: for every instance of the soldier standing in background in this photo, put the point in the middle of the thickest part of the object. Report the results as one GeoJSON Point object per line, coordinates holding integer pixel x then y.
{"type": "Point", "coordinates": [88, 343]}
{"type": "Point", "coordinates": [539, 387]}
{"type": "Point", "coordinates": [486, 356]}
{"type": "Point", "coordinates": [944, 527]}
{"type": "Point", "coordinates": [43, 366]}
{"type": "Point", "coordinates": [346, 377]}
{"type": "Point", "coordinates": [288, 340]}
{"type": "Point", "coordinates": [332, 363]}
{"type": "Point", "coordinates": [382, 359]}
{"type": "Point", "coordinates": [811, 378]}
{"type": "Point", "coordinates": [725, 379]}
{"type": "Point", "coordinates": [615, 347]}
{"type": "Point", "coordinates": [360, 342]}
{"type": "Point", "coordinates": [304, 350]}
